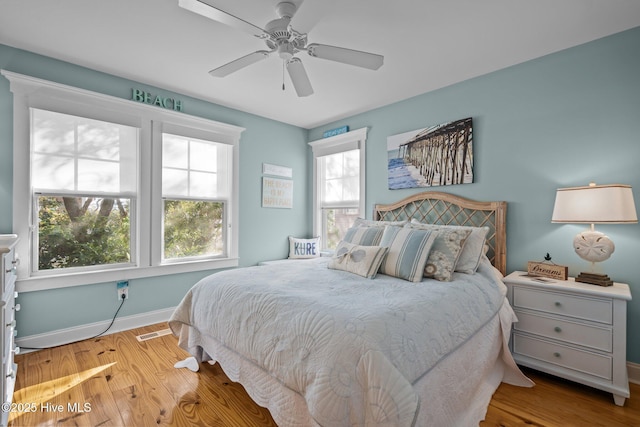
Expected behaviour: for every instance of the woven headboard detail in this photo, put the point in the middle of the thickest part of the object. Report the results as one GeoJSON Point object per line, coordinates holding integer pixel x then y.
{"type": "Point", "coordinates": [433, 207]}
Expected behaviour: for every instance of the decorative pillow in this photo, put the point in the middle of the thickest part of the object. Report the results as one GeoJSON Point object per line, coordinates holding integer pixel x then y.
{"type": "Point", "coordinates": [361, 222]}
{"type": "Point", "coordinates": [304, 248]}
{"type": "Point", "coordinates": [364, 236]}
{"type": "Point", "coordinates": [361, 260]}
{"type": "Point", "coordinates": [444, 253]}
{"type": "Point", "coordinates": [408, 252]}
{"type": "Point", "coordinates": [473, 247]}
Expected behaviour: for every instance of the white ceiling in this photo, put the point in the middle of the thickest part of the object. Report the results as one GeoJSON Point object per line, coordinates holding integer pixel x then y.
{"type": "Point", "coordinates": [427, 44]}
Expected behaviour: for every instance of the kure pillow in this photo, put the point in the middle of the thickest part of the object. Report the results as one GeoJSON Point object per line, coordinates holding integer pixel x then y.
{"type": "Point", "coordinates": [361, 260]}
{"type": "Point", "coordinates": [364, 236]}
{"type": "Point", "coordinates": [408, 252]}
{"type": "Point", "coordinates": [304, 248]}
{"type": "Point", "coordinates": [445, 251]}
{"type": "Point", "coordinates": [473, 247]}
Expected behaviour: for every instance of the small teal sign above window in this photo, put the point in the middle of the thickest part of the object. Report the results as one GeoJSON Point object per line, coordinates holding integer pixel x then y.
{"type": "Point", "coordinates": [139, 95]}
{"type": "Point", "coordinates": [334, 132]}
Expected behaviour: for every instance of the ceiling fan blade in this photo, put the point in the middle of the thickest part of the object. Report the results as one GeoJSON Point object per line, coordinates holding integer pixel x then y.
{"type": "Point", "coordinates": [204, 9]}
{"type": "Point", "coordinates": [358, 58]}
{"type": "Point", "coordinates": [239, 63]}
{"type": "Point", "coordinates": [299, 77]}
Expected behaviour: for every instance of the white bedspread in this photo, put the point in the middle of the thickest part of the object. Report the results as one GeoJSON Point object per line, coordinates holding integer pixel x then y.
{"type": "Point", "coordinates": [352, 347]}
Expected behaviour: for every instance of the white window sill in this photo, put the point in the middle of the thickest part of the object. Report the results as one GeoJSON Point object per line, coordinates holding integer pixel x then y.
{"type": "Point", "coordinates": [39, 283]}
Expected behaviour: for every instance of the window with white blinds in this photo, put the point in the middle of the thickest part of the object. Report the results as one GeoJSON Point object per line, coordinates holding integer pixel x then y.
{"type": "Point", "coordinates": [195, 191]}
{"type": "Point", "coordinates": [339, 179]}
{"type": "Point", "coordinates": [74, 154]}
{"type": "Point", "coordinates": [84, 177]}
{"type": "Point", "coordinates": [107, 189]}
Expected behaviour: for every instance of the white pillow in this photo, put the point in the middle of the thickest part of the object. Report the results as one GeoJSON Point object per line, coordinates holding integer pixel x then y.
{"type": "Point", "coordinates": [304, 248]}
{"type": "Point", "coordinates": [361, 260]}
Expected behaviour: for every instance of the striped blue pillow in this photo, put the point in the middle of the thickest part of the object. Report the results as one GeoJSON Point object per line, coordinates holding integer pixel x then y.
{"type": "Point", "coordinates": [408, 252]}
{"type": "Point", "coordinates": [364, 236]}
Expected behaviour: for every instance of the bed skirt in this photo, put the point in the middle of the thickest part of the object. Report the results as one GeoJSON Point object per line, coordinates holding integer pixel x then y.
{"type": "Point", "coordinates": [456, 391]}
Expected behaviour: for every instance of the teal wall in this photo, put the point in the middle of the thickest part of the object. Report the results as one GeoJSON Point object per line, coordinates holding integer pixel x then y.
{"type": "Point", "coordinates": [263, 232]}
{"type": "Point", "coordinates": [561, 120]}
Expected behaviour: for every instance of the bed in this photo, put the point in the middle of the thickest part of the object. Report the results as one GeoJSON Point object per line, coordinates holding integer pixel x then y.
{"type": "Point", "coordinates": [320, 342]}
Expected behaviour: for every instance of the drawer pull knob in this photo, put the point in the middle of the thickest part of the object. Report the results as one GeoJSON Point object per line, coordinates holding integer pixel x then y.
{"type": "Point", "coordinates": [12, 324]}
{"type": "Point", "coordinates": [556, 354]}
{"type": "Point", "coordinates": [17, 307]}
{"type": "Point", "coordinates": [557, 329]}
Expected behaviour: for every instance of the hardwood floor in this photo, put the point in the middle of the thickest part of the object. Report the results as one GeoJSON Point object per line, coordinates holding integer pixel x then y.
{"type": "Point", "coordinates": [117, 381]}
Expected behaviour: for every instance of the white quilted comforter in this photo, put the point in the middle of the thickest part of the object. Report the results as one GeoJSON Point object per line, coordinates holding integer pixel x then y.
{"type": "Point", "coordinates": [352, 347]}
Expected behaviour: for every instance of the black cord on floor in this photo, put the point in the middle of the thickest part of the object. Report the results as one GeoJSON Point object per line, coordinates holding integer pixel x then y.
{"type": "Point", "coordinates": [90, 338]}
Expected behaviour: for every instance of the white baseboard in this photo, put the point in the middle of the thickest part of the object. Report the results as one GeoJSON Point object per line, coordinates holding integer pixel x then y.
{"type": "Point", "coordinates": [77, 333]}
{"type": "Point", "coordinates": [634, 372]}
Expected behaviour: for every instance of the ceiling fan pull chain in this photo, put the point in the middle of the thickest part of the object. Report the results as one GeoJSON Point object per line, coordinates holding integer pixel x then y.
{"type": "Point", "coordinates": [282, 75]}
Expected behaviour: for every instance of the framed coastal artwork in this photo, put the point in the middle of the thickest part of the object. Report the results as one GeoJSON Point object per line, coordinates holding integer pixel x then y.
{"type": "Point", "coordinates": [432, 156]}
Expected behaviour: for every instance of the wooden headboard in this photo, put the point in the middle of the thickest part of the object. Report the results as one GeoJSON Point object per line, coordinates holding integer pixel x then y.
{"type": "Point", "coordinates": [433, 207]}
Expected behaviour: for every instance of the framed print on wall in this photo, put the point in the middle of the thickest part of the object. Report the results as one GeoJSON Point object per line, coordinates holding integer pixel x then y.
{"type": "Point", "coordinates": [277, 193]}
{"type": "Point", "coordinates": [432, 156]}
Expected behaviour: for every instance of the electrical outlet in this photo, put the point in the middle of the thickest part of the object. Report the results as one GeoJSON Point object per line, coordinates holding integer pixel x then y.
{"type": "Point", "coordinates": [123, 289]}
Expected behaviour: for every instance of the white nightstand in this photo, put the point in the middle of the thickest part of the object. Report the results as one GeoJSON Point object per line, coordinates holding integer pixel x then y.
{"type": "Point", "coordinates": [573, 330]}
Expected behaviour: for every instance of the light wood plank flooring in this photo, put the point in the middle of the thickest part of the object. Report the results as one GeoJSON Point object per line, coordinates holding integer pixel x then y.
{"type": "Point", "coordinates": [117, 381]}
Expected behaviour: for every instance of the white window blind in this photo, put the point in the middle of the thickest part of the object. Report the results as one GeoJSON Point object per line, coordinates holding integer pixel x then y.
{"type": "Point", "coordinates": [340, 179]}
{"type": "Point", "coordinates": [79, 155]}
{"type": "Point", "coordinates": [195, 168]}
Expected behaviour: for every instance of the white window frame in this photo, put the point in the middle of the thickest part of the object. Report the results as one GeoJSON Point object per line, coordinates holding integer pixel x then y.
{"type": "Point", "coordinates": [29, 92]}
{"type": "Point", "coordinates": [348, 141]}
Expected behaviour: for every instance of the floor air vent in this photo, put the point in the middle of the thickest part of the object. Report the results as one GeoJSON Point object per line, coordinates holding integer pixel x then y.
{"type": "Point", "coordinates": [152, 335]}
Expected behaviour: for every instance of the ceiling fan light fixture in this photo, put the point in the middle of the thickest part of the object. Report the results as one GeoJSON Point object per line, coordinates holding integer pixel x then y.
{"type": "Point", "coordinates": [285, 50]}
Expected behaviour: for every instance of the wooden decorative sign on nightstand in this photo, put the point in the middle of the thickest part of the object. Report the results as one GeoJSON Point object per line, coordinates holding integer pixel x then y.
{"type": "Point", "coordinates": [544, 269]}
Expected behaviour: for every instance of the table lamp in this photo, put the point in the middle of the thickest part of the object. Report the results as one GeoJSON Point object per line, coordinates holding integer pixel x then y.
{"type": "Point", "coordinates": [594, 204]}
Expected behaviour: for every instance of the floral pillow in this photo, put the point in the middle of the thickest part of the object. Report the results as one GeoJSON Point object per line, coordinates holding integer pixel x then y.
{"type": "Point", "coordinates": [445, 252]}
{"type": "Point", "coordinates": [474, 246]}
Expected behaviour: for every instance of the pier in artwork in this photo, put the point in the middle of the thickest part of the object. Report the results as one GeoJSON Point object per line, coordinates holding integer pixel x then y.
{"type": "Point", "coordinates": [438, 155]}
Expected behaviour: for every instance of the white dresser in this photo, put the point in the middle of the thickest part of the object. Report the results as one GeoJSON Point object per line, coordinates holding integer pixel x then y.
{"type": "Point", "coordinates": [9, 307]}
{"type": "Point", "coordinates": [573, 330]}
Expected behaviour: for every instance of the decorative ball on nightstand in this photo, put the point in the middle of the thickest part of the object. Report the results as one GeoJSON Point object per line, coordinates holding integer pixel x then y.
{"type": "Point", "coordinates": [593, 246]}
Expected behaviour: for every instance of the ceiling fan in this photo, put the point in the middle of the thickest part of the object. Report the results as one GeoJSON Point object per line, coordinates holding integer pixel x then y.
{"type": "Point", "coordinates": [280, 37]}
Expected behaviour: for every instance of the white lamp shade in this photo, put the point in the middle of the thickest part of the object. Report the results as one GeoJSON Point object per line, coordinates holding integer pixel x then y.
{"type": "Point", "coordinates": [595, 204]}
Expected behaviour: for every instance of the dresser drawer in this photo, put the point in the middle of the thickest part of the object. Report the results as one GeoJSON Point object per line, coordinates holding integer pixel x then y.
{"type": "Point", "coordinates": [594, 309]}
{"type": "Point", "coordinates": [597, 337]}
{"type": "Point", "coordinates": [564, 356]}
{"type": "Point", "coordinates": [8, 269]}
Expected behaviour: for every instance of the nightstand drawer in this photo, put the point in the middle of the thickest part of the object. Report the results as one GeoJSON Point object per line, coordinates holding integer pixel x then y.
{"type": "Point", "coordinates": [594, 309]}
{"type": "Point", "coordinates": [567, 357]}
{"type": "Point", "coordinates": [599, 338]}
